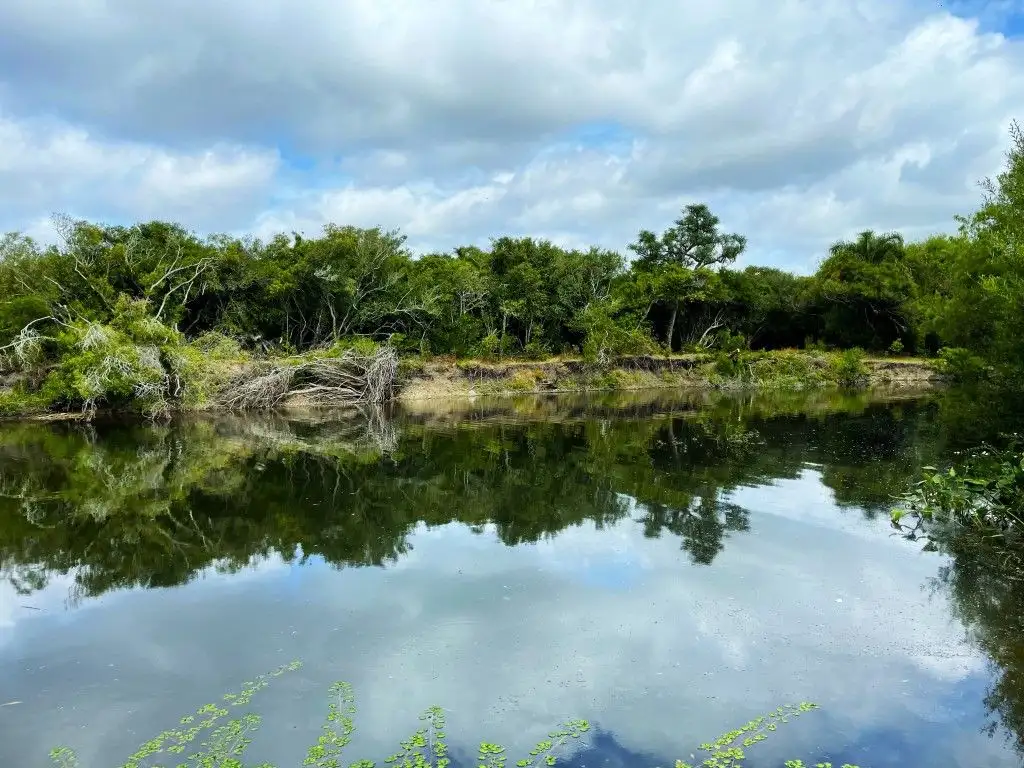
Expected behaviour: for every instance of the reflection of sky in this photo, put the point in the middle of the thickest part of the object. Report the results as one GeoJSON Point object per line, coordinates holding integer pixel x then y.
{"type": "Point", "coordinates": [607, 625]}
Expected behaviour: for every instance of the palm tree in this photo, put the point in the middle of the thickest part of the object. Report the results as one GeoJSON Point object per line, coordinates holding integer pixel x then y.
{"type": "Point", "coordinates": [871, 247]}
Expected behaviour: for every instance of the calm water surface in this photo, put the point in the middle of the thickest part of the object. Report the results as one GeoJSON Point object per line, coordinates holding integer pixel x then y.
{"type": "Point", "coordinates": [666, 568]}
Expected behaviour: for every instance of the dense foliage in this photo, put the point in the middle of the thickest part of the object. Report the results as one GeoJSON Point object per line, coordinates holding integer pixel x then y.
{"type": "Point", "coordinates": [115, 312]}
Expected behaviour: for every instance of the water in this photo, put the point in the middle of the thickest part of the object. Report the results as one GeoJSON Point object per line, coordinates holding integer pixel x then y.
{"type": "Point", "coordinates": [666, 568]}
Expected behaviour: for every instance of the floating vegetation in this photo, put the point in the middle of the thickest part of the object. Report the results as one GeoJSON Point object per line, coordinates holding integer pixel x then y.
{"type": "Point", "coordinates": [222, 740]}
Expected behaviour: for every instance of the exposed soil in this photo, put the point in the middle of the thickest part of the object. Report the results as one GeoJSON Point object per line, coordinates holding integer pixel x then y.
{"type": "Point", "coordinates": [441, 380]}
{"type": "Point", "coordinates": [447, 380]}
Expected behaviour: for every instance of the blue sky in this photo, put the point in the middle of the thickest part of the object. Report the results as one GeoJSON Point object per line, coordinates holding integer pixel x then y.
{"type": "Point", "coordinates": [581, 121]}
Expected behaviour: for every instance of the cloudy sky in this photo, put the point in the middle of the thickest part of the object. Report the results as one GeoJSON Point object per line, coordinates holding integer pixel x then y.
{"type": "Point", "coordinates": [457, 120]}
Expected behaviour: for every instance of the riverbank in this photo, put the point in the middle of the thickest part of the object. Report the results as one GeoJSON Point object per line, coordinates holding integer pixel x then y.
{"type": "Point", "coordinates": [786, 370]}
{"type": "Point", "coordinates": [412, 380]}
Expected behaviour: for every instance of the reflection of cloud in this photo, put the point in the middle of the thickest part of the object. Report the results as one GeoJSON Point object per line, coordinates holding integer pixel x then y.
{"type": "Point", "coordinates": [15, 608]}
{"type": "Point", "coordinates": [806, 499]}
{"type": "Point", "coordinates": [53, 599]}
{"type": "Point", "coordinates": [511, 640]}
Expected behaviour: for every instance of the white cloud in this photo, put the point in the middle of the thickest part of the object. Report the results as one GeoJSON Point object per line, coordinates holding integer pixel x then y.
{"type": "Point", "coordinates": [799, 122]}
{"type": "Point", "coordinates": [47, 167]}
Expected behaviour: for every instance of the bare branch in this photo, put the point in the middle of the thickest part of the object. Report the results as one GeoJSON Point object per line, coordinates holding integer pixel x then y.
{"type": "Point", "coordinates": [173, 269]}
{"type": "Point", "coordinates": [200, 267]}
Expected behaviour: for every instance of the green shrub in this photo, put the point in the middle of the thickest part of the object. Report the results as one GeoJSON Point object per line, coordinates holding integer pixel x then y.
{"type": "Point", "coordinates": [410, 345]}
{"type": "Point", "coordinates": [727, 366]}
{"type": "Point", "coordinates": [962, 365]}
{"type": "Point", "coordinates": [618, 342]}
{"type": "Point", "coordinates": [133, 362]}
{"type": "Point", "coordinates": [814, 345]}
{"type": "Point", "coordinates": [536, 350]}
{"type": "Point", "coordinates": [727, 340]}
{"type": "Point", "coordinates": [786, 370]}
{"type": "Point", "coordinates": [606, 336]}
{"type": "Point", "coordinates": [848, 368]}
{"type": "Point", "coordinates": [103, 364]}
{"type": "Point", "coordinates": [783, 370]}
{"type": "Point", "coordinates": [488, 347]}
{"type": "Point", "coordinates": [896, 348]}
{"type": "Point", "coordinates": [523, 380]}
{"type": "Point", "coordinates": [218, 346]}
{"type": "Point", "coordinates": [361, 345]}
{"type": "Point", "coordinates": [20, 403]}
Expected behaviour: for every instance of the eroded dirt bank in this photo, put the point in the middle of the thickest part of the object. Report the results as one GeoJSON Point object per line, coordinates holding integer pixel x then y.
{"type": "Point", "coordinates": [447, 380]}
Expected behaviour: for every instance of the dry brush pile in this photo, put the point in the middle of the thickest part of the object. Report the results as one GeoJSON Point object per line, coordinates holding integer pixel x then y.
{"type": "Point", "coordinates": [333, 378]}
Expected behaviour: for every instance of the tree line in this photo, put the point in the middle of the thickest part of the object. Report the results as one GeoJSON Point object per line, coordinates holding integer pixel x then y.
{"type": "Point", "coordinates": [671, 292]}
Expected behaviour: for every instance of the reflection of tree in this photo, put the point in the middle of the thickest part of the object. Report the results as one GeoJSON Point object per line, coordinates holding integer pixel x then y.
{"type": "Point", "coordinates": [124, 506]}
{"type": "Point", "coordinates": [984, 578]}
{"type": "Point", "coordinates": [701, 526]}
{"type": "Point", "coordinates": [986, 587]}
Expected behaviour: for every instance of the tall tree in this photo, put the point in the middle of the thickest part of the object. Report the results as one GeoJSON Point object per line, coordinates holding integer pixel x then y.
{"type": "Point", "coordinates": [987, 296]}
{"type": "Point", "coordinates": [676, 266]}
{"type": "Point", "coordinates": [864, 289]}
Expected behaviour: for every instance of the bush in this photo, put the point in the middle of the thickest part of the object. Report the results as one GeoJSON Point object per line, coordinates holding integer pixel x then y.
{"type": "Point", "coordinates": [360, 345]}
{"type": "Point", "coordinates": [727, 366]}
{"type": "Point", "coordinates": [896, 348]}
{"type": "Point", "coordinates": [848, 368]}
{"type": "Point", "coordinates": [133, 362]}
{"type": "Point", "coordinates": [488, 348]}
{"type": "Point", "coordinates": [121, 365]}
{"type": "Point", "coordinates": [814, 345]}
{"type": "Point", "coordinates": [782, 370]}
{"type": "Point", "coordinates": [536, 350]}
{"type": "Point", "coordinates": [19, 403]}
{"type": "Point", "coordinates": [787, 370]}
{"type": "Point", "coordinates": [727, 341]}
{"type": "Point", "coordinates": [607, 337]}
{"type": "Point", "coordinates": [524, 380]}
{"type": "Point", "coordinates": [218, 346]}
{"type": "Point", "coordinates": [962, 365]}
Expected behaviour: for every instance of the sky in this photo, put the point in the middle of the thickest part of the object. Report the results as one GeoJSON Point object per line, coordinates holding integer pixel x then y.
{"type": "Point", "coordinates": [582, 121]}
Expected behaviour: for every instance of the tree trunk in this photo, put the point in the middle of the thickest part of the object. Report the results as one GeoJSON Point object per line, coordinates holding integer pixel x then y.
{"type": "Point", "coordinates": [672, 325]}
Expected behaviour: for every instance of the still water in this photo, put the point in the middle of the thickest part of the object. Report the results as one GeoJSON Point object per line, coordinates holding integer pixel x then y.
{"type": "Point", "coordinates": [667, 568]}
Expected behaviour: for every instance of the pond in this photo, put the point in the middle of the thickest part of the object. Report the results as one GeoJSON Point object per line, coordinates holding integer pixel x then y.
{"type": "Point", "coordinates": [665, 566]}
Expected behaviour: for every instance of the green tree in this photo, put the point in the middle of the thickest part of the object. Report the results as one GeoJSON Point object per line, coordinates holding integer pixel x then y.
{"type": "Point", "coordinates": [864, 291]}
{"type": "Point", "coordinates": [768, 306]}
{"type": "Point", "coordinates": [676, 267]}
{"type": "Point", "coordinates": [985, 307]}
